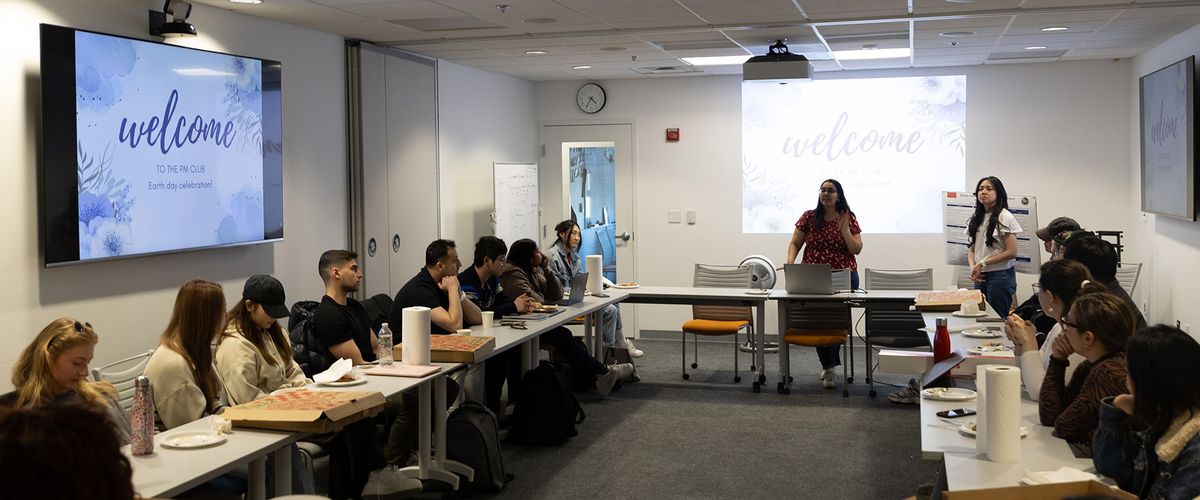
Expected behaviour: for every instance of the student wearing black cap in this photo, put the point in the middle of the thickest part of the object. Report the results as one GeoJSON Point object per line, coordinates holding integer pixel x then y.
{"type": "Point", "coordinates": [1053, 237]}
{"type": "Point", "coordinates": [254, 355]}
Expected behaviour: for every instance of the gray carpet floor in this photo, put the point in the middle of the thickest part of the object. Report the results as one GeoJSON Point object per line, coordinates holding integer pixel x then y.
{"type": "Point", "coordinates": [707, 437]}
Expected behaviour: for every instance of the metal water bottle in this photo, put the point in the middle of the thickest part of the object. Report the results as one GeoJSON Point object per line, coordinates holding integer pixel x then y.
{"type": "Point", "coordinates": [141, 441]}
{"type": "Point", "coordinates": [941, 340]}
{"type": "Point", "coordinates": [385, 345]}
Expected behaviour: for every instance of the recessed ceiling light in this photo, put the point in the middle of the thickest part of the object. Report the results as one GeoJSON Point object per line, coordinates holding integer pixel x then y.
{"type": "Point", "coordinates": [614, 49]}
{"type": "Point", "coordinates": [715, 60]}
{"type": "Point", "coordinates": [961, 1]}
{"type": "Point", "coordinates": [251, 2]}
{"type": "Point", "coordinates": [956, 34]}
{"type": "Point", "coordinates": [856, 55]}
{"type": "Point", "coordinates": [1055, 28]}
{"type": "Point", "coordinates": [581, 66]}
{"type": "Point", "coordinates": [540, 20]}
{"type": "Point", "coordinates": [870, 46]}
{"type": "Point", "coordinates": [1035, 47]}
{"type": "Point", "coordinates": [536, 52]}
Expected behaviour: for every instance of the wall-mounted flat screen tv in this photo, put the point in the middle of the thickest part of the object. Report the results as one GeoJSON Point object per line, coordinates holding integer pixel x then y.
{"type": "Point", "coordinates": [151, 148]}
{"type": "Point", "coordinates": [1168, 140]}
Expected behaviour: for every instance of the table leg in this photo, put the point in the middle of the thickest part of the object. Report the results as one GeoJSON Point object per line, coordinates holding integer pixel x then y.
{"type": "Point", "coordinates": [785, 369]}
{"type": "Point", "coordinates": [760, 337]}
{"type": "Point", "coordinates": [283, 471]}
{"type": "Point", "coordinates": [429, 466]}
{"type": "Point", "coordinates": [850, 321]}
{"type": "Point", "coordinates": [258, 479]}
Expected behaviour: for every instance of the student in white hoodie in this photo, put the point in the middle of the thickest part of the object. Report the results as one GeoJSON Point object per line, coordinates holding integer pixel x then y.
{"type": "Point", "coordinates": [1059, 283]}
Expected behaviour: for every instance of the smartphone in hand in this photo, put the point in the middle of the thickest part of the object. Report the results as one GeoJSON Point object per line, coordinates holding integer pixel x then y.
{"type": "Point", "coordinates": [955, 413]}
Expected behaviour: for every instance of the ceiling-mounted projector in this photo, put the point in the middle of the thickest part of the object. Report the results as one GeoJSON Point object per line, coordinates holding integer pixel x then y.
{"type": "Point", "coordinates": [778, 65]}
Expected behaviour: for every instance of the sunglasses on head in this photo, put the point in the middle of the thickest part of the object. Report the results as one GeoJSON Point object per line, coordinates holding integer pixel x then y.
{"type": "Point", "coordinates": [79, 326]}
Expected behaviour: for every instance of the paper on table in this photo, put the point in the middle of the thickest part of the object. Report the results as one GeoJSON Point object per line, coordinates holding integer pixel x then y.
{"type": "Point", "coordinates": [336, 371]}
{"type": "Point", "coordinates": [595, 269]}
{"type": "Point", "coordinates": [1062, 475]}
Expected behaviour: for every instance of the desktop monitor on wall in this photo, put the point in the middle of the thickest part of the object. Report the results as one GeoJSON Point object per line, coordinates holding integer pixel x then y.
{"type": "Point", "coordinates": [151, 148]}
{"type": "Point", "coordinates": [1168, 140]}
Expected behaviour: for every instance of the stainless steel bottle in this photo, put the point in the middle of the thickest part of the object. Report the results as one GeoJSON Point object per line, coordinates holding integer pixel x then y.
{"type": "Point", "coordinates": [142, 417]}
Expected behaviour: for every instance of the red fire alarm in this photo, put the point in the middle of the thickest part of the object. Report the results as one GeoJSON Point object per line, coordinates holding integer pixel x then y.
{"type": "Point", "coordinates": [672, 135]}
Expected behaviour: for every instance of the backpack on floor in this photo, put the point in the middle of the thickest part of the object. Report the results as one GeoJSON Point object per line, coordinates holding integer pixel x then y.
{"type": "Point", "coordinates": [546, 411]}
{"type": "Point", "coordinates": [473, 438]}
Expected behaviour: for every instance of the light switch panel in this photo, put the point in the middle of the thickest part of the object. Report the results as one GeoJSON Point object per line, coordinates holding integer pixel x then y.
{"type": "Point", "coordinates": [691, 216]}
{"type": "Point", "coordinates": [674, 217]}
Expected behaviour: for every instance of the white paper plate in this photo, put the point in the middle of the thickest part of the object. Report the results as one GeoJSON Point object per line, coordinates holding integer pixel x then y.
{"type": "Point", "coordinates": [336, 383]}
{"type": "Point", "coordinates": [987, 349]}
{"type": "Point", "coordinates": [969, 430]}
{"type": "Point", "coordinates": [948, 394]}
{"type": "Point", "coordinates": [758, 292]}
{"type": "Point", "coordinates": [982, 333]}
{"type": "Point", "coordinates": [625, 287]}
{"type": "Point", "coordinates": [961, 314]}
{"type": "Point", "coordinates": [191, 439]}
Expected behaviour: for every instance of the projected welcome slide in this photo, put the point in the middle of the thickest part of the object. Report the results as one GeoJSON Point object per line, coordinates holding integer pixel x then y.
{"type": "Point", "coordinates": [170, 147]}
{"type": "Point", "coordinates": [894, 143]}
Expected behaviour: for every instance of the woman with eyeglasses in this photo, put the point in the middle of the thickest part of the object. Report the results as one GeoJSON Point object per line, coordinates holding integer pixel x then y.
{"type": "Point", "coordinates": [1149, 440]}
{"type": "Point", "coordinates": [53, 371]}
{"type": "Point", "coordinates": [1096, 326]}
{"type": "Point", "coordinates": [1056, 288]}
{"type": "Point", "coordinates": [992, 245]}
{"type": "Point", "coordinates": [828, 234]}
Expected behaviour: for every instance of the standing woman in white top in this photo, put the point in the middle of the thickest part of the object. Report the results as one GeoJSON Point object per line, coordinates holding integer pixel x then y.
{"type": "Point", "coordinates": [1059, 283]}
{"type": "Point", "coordinates": [992, 245]}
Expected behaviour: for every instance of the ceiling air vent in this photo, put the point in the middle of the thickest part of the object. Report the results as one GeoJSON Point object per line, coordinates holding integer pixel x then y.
{"type": "Point", "coordinates": [665, 70]}
{"type": "Point", "coordinates": [445, 23]}
{"type": "Point", "coordinates": [1025, 56]}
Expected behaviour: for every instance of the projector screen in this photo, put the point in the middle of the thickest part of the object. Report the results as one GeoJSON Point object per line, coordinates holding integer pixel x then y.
{"type": "Point", "coordinates": [894, 143]}
{"type": "Point", "coordinates": [152, 148]}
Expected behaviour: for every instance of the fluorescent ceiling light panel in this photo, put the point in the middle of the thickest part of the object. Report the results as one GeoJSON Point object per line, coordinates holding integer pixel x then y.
{"type": "Point", "coordinates": [581, 66]}
{"type": "Point", "coordinates": [715, 60]}
{"type": "Point", "coordinates": [251, 2]}
{"type": "Point", "coordinates": [1055, 28]}
{"type": "Point", "coordinates": [859, 55]}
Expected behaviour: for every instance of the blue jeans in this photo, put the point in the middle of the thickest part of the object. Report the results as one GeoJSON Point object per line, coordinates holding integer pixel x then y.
{"type": "Point", "coordinates": [831, 355]}
{"type": "Point", "coordinates": [998, 288]}
{"type": "Point", "coordinates": [610, 325]}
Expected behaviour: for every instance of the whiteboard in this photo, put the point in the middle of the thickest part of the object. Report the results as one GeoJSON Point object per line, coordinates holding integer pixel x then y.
{"type": "Point", "coordinates": [515, 198]}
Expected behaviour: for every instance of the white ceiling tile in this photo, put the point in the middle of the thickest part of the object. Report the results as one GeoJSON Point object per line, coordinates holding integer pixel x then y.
{"type": "Point", "coordinates": [749, 11]}
{"type": "Point", "coordinates": [961, 43]}
{"type": "Point", "coordinates": [956, 60]}
{"type": "Point", "coordinates": [839, 9]}
{"type": "Point", "coordinates": [1066, 17]}
{"type": "Point", "coordinates": [969, 24]}
{"type": "Point", "coordinates": [1169, 12]}
{"type": "Point", "coordinates": [863, 29]}
{"type": "Point", "coordinates": [943, 7]}
{"type": "Point", "coordinates": [1104, 53]}
{"type": "Point", "coordinates": [408, 9]}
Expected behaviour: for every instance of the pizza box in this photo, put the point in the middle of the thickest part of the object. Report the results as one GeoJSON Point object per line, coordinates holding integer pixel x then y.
{"type": "Point", "coordinates": [306, 411]}
{"type": "Point", "coordinates": [948, 301]}
{"type": "Point", "coordinates": [1055, 491]}
{"type": "Point", "coordinates": [454, 348]}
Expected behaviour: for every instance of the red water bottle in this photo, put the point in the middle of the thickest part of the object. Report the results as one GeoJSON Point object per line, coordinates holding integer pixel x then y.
{"type": "Point", "coordinates": [941, 340]}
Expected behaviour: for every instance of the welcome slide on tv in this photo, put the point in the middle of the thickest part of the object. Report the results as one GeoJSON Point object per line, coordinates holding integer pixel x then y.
{"type": "Point", "coordinates": [169, 146]}
{"type": "Point", "coordinates": [894, 143]}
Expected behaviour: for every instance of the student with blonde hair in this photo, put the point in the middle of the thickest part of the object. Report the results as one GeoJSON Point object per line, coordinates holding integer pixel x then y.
{"type": "Point", "coordinates": [53, 371]}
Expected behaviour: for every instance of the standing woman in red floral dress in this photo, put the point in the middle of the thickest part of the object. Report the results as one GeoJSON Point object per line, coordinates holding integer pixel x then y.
{"type": "Point", "coordinates": [829, 234]}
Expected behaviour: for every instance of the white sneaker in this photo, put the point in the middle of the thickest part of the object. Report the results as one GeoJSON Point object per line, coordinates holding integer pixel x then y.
{"type": "Point", "coordinates": [634, 352]}
{"type": "Point", "coordinates": [625, 371]}
{"type": "Point", "coordinates": [389, 483]}
{"type": "Point", "coordinates": [829, 378]}
{"type": "Point", "coordinates": [605, 383]}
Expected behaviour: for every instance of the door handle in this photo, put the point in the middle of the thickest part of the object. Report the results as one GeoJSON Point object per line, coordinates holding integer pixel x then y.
{"type": "Point", "coordinates": [395, 243]}
{"type": "Point", "coordinates": [625, 236]}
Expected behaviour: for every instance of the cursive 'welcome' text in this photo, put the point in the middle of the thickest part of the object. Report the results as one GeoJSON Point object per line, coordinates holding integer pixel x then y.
{"type": "Point", "coordinates": [155, 131]}
{"type": "Point", "coordinates": [837, 144]}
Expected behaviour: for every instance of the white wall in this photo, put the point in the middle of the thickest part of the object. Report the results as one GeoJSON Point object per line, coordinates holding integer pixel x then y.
{"type": "Point", "coordinates": [1057, 131]}
{"type": "Point", "coordinates": [130, 301]}
{"type": "Point", "coordinates": [482, 118]}
{"type": "Point", "coordinates": [1168, 248]}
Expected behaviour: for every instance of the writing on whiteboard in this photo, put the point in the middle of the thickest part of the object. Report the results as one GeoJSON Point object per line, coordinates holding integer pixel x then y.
{"type": "Point", "coordinates": [516, 201]}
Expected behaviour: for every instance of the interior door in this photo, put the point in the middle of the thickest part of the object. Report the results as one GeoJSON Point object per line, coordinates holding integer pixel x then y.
{"type": "Point", "coordinates": [586, 173]}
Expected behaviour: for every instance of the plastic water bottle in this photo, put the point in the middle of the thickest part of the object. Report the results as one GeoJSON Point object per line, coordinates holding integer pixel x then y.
{"type": "Point", "coordinates": [385, 345]}
{"type": "Point", "coordinates": [141, 442]}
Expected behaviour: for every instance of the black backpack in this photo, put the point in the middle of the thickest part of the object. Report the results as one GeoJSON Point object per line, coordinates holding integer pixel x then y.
{"type": "Point", "coordinates": [546, 411]}
{"type": "Point", "coordinates": [473, 438]}
{"type": "Point", "coordinates": [378, 308]}
{"type": "Point", "coordinates": [310, 352]}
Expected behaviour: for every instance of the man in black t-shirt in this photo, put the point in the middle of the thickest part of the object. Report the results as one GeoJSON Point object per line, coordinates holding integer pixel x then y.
{"type": "Point", "coordinates": [340, 321]}
{"type": "Point", "coordinates": [436, 286]}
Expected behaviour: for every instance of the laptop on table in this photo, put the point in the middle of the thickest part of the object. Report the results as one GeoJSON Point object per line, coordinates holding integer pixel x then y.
{"type": "Point", "coordinates": [578, 290]}
{"type": "Point", "coordinates": [814, 279]}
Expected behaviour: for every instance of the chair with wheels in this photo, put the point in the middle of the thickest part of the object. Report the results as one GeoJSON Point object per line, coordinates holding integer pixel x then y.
{"type": "Point", "coordinates": [123, 379]}
{"type": "Point", "coordinates": [717, 320]}
{"type": "Point", "coordinates": [894, 325]}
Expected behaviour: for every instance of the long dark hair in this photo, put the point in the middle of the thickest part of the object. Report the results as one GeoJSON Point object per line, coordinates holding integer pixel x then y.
{"type": "Point", "coordinates": [62, 451]}
{"type": "Point", "coordinates": [521, 254]}
{"type": "Point", "coordinates": [243, 322]}
{"type": "Point", "coordinates": [1064, 279]}
{"type": "Point", "coordinates": [994, 219]}
{"type": "Point", "coordinates": [198, 318]}
{"type": "Point", "coordinates": [1164, 364]}
{"type": "Point", "coordinates": [565, 227]}
{"type": "Point", "coordinates": [842, 206]}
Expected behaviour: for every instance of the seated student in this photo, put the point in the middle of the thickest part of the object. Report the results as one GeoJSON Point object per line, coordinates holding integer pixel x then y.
{"type": "Point", "coordinates": [436, 286]}
{"type": "Point", "coordinates": [62, 451]}
{"type": "Point", "coordinates": [528, 273]}
{"type": "Point", "coordinates": [254, 358]}
{"type": "Point", "coordinates": [1057, 287]}
{"type": "Point", "coordinates": [481, 284]}
{"type": "Point", "coordinates": [53, 370]}
{"type": "Point", "coordinates": [566, 264]}
{"type": "Point", "coordinates": [1096, 326]}
{"type": "Point", "coordinates": [1100, 258]}
{"type": "Point", "coordinates": [1159, 455]}
{"type": "Point", "coordinates": [1031, 309]}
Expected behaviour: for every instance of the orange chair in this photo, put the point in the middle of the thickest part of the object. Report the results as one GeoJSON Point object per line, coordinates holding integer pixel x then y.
{"type": "Point", "coordinates": [813, 324]}
{"type": "Point", "coordinates": [717, 320]}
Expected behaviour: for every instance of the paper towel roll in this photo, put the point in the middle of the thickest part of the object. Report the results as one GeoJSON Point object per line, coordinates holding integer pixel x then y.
{"type": "Point", "coordinates": [981, 409]}
{"type": "Point", "coordinates": [415, 321]}
{"type": "Point", "coordinates": [1002, 403]}
{"type": "Point", "coordinates": [595, 269]}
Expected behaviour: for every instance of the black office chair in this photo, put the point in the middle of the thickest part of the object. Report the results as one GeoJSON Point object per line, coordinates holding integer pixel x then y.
{"type": "Point", "coordinates": [894, 325]}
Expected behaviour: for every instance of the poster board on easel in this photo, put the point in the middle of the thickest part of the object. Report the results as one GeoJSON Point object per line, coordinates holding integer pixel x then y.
{"type": "Point", "coordinates": [957, 208]}
{"type": "Point", "coordinates": [515, 211]}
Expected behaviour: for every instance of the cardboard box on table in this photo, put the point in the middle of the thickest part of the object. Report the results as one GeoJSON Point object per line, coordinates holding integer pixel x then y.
{"type": "Point", "coordinates": [454, 348]}
{"type": "Point", "coordinates": [948, 301]}
{"type": "Point", "coordinates": [1053, 491]}
{"type": "Point", "coordinates": [306, 411]}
